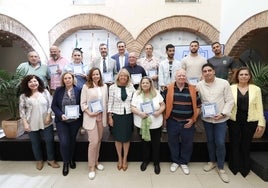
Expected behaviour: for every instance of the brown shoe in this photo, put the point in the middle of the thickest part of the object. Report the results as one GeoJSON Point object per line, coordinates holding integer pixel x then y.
{"type": "Point", "coordinates": [39, 165]}
{"type": "Point", "coordinates": [53, 164]}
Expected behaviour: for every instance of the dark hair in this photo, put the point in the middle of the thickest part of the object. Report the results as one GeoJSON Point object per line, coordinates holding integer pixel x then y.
{"type": "Point", "coordinates": [169, 46]}
{"type": "Point", "coordinates": [208, 65]}
{"type": "Point", "coordinates": [24, 85]}
{"type": "Point", "coordinates": [215, 43]}
{"type": "Point", "coordinates": [149, 45]}
{"type": "Point", "coordinates": [194, 41]}
{"type": "Point", "coordinates": [103, 44]}
{"type": "Point", "coordinates": [121, 42]}
{"type": "Point", "coordinates": [236, 74]}
{"type": "Point", "coordinates": [78, 50]}
{"type": "Point", "coordinates": [89, 82]}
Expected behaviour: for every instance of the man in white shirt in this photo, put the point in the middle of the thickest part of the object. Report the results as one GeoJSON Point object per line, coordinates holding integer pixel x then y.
{"type": "Point", "coordinates": [121, 57]}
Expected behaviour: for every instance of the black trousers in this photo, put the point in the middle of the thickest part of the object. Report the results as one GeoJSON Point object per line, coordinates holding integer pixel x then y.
{"type": "Point", "coordinates": [240, 137]}
{"type": "Point", "coordinates": [152, 148]}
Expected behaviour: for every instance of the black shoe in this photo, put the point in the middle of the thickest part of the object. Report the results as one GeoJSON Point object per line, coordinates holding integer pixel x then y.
{"type": "Point", "coordinates": [65, 170]}
{"type": "Point", "coordinates": [143, 166]}
{"type": "Point", "coordinates": [72, 165]}
{"type": "Point", "coordinates": [157, 169]}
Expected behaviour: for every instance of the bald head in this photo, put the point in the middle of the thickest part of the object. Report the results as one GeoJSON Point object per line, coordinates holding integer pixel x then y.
{"type": "Point", "coordinates": [54, 52]}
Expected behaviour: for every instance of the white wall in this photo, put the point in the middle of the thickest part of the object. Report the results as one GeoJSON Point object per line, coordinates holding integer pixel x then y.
{"type": "Point", "coordinates": [235, 12]}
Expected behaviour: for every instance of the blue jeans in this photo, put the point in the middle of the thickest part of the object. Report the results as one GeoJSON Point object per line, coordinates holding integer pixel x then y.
{"type": "Point", "coordinates": [180, 152]}
{"type": "Point", "coordinates": [67, 133]}
{"type": "Point", "coordinates": [36, 140]}
{"type": "Point", "coordinates": [216, 133]}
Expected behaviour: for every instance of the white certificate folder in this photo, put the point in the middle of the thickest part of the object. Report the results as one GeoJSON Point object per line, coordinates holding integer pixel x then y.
{"type": "Point", "coordinates": [209, 109]}
{"type": "Point", "coordinates": [72, 111]}
{"type": "Point", "coordinates": [95, 106]}
{"type": "Point", "coordinates": [147, 107]}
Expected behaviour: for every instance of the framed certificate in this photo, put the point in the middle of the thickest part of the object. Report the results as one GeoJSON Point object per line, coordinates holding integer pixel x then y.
{"type": "Point", "coordinates": [147, 107]}
{"type": "Point", "coordinates": [193, 80]}
{"type": "Point", "coordinates": [108, 77]}
{"type": "Point", "coordinates": [152, 73]}
{"type": "Point", "coordinates": [95, 106]}
{"type": "Point", "coordinates": [53, 69]}
{"type": "Point", "coordinates": [209, 109]}
{"type": "Point", "coordinates": [72, 111]}
{"type": "Point", "coordinates": [136, 78]}
{"type": "Point", "coordinates": [78, 69]}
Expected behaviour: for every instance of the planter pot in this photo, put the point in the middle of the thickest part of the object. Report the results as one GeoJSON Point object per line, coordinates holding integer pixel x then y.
{"type": "Point", "coordinates": [12, 129]}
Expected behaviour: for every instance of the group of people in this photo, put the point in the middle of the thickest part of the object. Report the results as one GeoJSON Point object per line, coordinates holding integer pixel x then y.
{"type": "Point", "coordinates": [123, 91]}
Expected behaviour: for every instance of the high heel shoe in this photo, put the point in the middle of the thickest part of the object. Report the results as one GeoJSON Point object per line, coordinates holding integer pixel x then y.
{"type": "Point", "coordinates": [119, 166]}
{"type": "Point", "coordinates": [125, 167]}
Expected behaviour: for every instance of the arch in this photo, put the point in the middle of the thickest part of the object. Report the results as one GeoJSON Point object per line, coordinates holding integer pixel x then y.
{"type": "Point", "coordinates": [87, 21]}
{"type": "Point", "coordinates": [241, 37]}
{"type": "Point", "coordinates": [184, 23]}
{"type": "Point", "coordinates": [27, 38]}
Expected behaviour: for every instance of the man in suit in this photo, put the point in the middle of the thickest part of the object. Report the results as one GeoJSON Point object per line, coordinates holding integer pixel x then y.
{"type": "Point", "coordinates": [106, 65]}
{"type": "Point", "coordinates": [121, 57]}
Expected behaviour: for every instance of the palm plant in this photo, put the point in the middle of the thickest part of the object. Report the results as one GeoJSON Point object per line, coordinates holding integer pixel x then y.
{"type": "Point", "coordinates": [259, 73]}
{"type": "Point", "coordinates": [9, 92]}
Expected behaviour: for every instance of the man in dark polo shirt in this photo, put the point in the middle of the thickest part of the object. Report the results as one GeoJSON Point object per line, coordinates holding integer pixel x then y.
{"type": "Point", "coordinates": [136, 71]}
{"type": "Point", "coordinates": [182, 109]}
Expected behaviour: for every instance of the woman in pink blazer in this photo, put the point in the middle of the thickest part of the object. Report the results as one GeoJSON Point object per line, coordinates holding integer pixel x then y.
{"type": "Point", "coordinates": [94, 98]}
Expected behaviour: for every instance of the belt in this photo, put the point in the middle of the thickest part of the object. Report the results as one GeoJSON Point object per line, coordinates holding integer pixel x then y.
{"type": "Point", "coordinates": [178, 119]}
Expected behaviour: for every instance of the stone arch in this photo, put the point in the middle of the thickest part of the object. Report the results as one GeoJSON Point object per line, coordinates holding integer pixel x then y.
{"type": "Point", "coordinates": [184, 23]}
{"type": "Point", "coordinates": [24, 36]}
{"type": "Point", "coordinates": [87, 21]}
{"type": "Point", "coordinates": [242, 36]}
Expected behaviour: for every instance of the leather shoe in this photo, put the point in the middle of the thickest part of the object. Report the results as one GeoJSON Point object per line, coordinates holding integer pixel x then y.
{"type": "Point", "coordinates": [53, 164]}
{"type": "Point", "coordinates": [157, 169]}
{"type": "Point", "coordinates": [143, 166]}
{"type": "Point", "coordinates": [65, 169]}
{"type": "Point", "coordinates": [72, 165]}
{"type": "Point", "coordinates": [39, 165]}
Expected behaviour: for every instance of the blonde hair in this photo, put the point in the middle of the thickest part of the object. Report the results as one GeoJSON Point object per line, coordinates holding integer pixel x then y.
{"type": "Point", "coordinates": [152, 89]}
{"type": "Point", "coordinates": [62, 78]}
{"type": "Point", "coordinates": [123, 71]}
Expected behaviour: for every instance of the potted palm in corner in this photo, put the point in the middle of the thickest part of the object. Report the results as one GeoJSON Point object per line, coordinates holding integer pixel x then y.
{"type": "Point", "coordinates": [9, 102]}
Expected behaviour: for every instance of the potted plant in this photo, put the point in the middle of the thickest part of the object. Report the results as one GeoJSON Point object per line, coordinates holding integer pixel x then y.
{"type": "Point", "coordinates": [9, 102]}
{"type": "Point", "coordinates": [259, 73]}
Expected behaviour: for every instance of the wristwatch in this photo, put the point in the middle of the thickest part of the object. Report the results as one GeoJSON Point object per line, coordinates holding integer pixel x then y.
{"type": "Point", "coordinates": [223, 114]}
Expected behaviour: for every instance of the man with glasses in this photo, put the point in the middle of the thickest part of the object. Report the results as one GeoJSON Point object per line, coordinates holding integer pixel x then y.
{"type": "Point", "coordinates": [217, 103]}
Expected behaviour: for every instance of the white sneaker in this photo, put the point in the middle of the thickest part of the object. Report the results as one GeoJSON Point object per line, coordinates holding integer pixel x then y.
{"type": "Point", "coordinates": [91, 175]}
{"type": "Point", "coordinates": [185, 169]}
{"type": "Point", "coordinates": [224, 177]}
{"type": "Point", "coordinates": [173, 167]}
{"type": "Point", "coordinates": [208, 167]}
{"type": "Point", "coordinates": [100, 167]}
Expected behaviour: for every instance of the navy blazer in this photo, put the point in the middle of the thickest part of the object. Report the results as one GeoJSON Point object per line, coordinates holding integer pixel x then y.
{"type": "Point", "coordinates": [56, 105]}
{"type": "Point", "coordinates": [116, 58]}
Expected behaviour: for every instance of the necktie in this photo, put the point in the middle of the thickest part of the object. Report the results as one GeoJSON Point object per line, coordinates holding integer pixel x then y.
{"type": "Point", "coordinates": [104, 65]}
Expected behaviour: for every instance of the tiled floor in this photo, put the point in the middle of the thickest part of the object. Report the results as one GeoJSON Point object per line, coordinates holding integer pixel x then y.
{"type": "Point", "coordinates": [22, 174]}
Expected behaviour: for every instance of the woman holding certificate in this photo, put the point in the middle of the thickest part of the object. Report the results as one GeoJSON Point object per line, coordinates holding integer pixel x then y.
{"type": "Point", "coordinates": [77, 67]}
{"type": "Point", "coordinates": [247, 118]}
{"type": "Point", "coordinates": [65, 105]}
{"type": "Point", "coordinates": [35, 112]}
{"type": "Point", "coordinates": [148, 105]}
{"type": "Point", "coordinates": [120, 115]}
{"type": "Point", "coordinates": [94, 98]}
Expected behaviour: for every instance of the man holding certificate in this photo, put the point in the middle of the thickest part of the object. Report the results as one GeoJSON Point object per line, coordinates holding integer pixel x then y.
{"type": "Point", "coordinates": [136, 71]}
{"type": "Point", "coordinates": [94, 99]}
{"type": "Point", "coordinates": [148, 105]}
{"type": "Point", "coordinates": [182, 109]}
{"type": "Point", "coordinates": [106, 65]}
{"type": "Point", "coordinates": [217, 103]}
